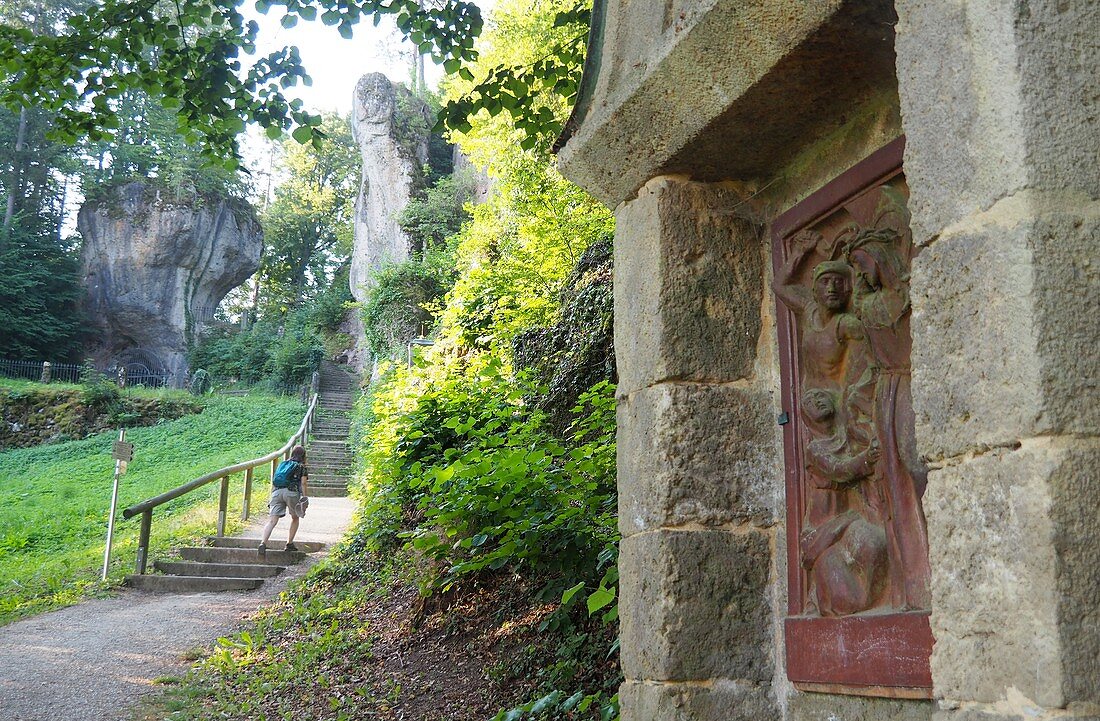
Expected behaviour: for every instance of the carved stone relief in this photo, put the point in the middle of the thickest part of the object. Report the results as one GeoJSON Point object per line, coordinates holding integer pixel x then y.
{"type": "Point", "coordinates": [861, 539]}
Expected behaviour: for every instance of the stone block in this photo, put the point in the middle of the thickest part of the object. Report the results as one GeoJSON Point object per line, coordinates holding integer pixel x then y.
{"type": "Point", "coordinates": [996, 98]}
{"type": "Point", "coordinates": [689, 279]}
{"type": "Point", "coordinates": [832, 707]}
{"type": "Point", "coordinates": [696, 453]}
{"type": "Point", "coordinates": [1015, 709]}
{"type": "Point", "coordinates": [719, 700]}
{"type": "Point", "coordinates": [1014, 539]}
{"type": "Point", "coordinates": [1005, 330]}
{"type": "Point", "coordinates": [694, 605]}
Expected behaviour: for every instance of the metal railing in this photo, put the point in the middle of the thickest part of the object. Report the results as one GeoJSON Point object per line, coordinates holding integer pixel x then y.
{"type": "Point", "coordinates": [40, 371]}
{"type": "Point", "coordinates": [47, 372]}
{"type": "Point", "coordinates": [145, 508]}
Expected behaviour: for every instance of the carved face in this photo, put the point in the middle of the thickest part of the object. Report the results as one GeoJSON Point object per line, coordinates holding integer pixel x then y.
{"type": "Point", "coordinates": [867, 268]}
{"type": "Point", "coordinates": [833, 290]}
{"type": "Point", "coordinates": [818, 405]}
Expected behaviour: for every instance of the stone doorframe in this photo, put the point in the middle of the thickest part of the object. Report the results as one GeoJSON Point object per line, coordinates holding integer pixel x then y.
{"type": "Point", "coordinates": [703, 122]}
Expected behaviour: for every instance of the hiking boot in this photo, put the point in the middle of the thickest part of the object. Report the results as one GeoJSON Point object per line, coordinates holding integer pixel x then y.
{"type": "Point", "coordinates": [291, 547]}
{"type": "Point", "coordinates": [262, 549]}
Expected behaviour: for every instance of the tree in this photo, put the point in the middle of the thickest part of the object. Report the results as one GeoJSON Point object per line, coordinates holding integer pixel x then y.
{"type": "Point", "coordinates": [308, 226]}
{"type": "Point", "coordinates": [189, 52]}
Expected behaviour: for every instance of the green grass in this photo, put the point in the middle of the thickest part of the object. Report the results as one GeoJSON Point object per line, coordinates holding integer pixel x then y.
{"type": "Point", "coordinates": [16, 384]}
{"type": "Point", "coordinates": [53, 519]}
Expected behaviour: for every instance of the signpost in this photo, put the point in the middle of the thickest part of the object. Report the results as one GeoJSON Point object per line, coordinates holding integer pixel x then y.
{"type": "Point", "coordinates": [123, 453]}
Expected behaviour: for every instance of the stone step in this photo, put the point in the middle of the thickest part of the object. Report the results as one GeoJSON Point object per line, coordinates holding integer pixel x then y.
{"type": "Point", "coordinates": [209, 554]}
{"type": "Point", "coordinates": [327, 478]}
{"type": "Point", "coordinates": [314, 456]}
{"type": "Point", "coordinates": [189, 584]}
{"type": "Point", "coordinates": [320, 473]}
{"type": "Point", "coordinates": [238, 542]}
{"type": "Point", "coordinates": [333, 492]}
{"type": "Point", "coordinates": [221, 570]}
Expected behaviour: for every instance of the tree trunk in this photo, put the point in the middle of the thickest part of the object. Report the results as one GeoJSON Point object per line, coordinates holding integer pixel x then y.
{"type": "Point", "coordinates": [16, 184]}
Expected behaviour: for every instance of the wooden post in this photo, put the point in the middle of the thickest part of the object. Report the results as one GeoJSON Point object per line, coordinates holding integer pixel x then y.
{"type": "Point", "coordinates": [46, 372]}
{"type": "Point", "coordinates": [247, 494]}
{"type": "Point", "coordinates": [274, 465]}
{"type": "Point", "coordinates": [143, 541]}
{"type": "Point", "coordinates": [223, 505]}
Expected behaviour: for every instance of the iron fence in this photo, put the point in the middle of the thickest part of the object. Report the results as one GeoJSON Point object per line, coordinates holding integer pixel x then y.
{"type": "Point", "coordinates": [72, 373]}
{"type": "Point", "coordinates": [36, 371]}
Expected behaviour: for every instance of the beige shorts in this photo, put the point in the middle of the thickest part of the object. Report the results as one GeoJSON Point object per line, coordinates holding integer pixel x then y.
{"type": "Point", "coordinates": [282, 500]}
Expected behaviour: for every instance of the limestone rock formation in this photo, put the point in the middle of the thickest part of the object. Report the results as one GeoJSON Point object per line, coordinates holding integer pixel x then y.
{"type": "Point", "coordinates": [155, 270]}
{"type": "Point", "coordinates": [394, 147]}
{"type": "Point", "coordinates": [390, 125]}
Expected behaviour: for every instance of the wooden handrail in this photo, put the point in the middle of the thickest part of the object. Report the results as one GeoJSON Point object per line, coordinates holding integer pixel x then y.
{"type": "Point", "coordinates": [145, 508]}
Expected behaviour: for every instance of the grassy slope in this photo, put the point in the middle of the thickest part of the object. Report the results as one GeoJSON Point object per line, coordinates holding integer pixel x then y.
{"type": "Point", "coordinates": [54, 518]}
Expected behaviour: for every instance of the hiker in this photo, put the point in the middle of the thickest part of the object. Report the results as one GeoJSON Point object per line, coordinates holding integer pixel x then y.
{"type": "Point", "coordinates": [288, 492]}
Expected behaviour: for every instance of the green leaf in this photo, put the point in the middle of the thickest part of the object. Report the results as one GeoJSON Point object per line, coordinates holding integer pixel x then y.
{"type": "Point", "coordinates": [303, 134]}
{"type": "Point", "coordinates": [546, 702]}
{"type": "Point", "coordinates": [274, 132]}
{"type": "Point", "coordinates": [571, 592]}
{"type": "Point", "coordinates": [599, 598]}
{"type": "Point", "coordinates": [289, 21]}
{"type": "Point", "coordinates": [346, 30]}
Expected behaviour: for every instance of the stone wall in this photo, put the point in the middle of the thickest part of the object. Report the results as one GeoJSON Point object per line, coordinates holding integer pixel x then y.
{"type": "Point", "coordinates": [700, 123]}
{"type": "Point", "coordinates": [1006, 200]}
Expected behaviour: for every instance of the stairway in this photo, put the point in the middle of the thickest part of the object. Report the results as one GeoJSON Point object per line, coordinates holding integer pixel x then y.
{"type": "Point", "coordinates": [328, 456]}
{"type": "Point", "coordinates": [226, 564]}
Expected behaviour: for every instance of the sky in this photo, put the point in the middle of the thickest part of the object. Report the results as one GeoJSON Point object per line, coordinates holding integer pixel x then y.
{"type": "Point", "coordinates": [336, 64]}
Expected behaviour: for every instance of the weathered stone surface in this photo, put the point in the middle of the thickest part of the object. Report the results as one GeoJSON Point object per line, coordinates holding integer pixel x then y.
{"type": "Point", "coordinates": [392, 158]}
{"type": "Point", "coordinates": [696, 453]}
{"type": "Point", "coordinates": [694, 605]}
{"type": "Point", "coordinates": [155, 270]}
{"type": "Point", "coordinates": [996, 97]}
{"type": "Point", "coordinates": [688, 284]}
{"type": "Point", "coordinates": [1005, 329]}
{"type": "Point", "coordinates": [831, 707]}
{"type": "Point", "coordinates": [721, 89]}
{"type": "Point", "coordinates": [719, 700]}
{"type": "Point", "coordinates": [1015, 576]}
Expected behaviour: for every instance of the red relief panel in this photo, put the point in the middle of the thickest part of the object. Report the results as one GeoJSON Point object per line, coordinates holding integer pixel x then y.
{"type": "Point", "coordinates": [856, 534]}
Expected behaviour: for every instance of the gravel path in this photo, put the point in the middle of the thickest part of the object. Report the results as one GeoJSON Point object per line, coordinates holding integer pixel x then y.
{"type": "Point", "coordinates": [94, 660]}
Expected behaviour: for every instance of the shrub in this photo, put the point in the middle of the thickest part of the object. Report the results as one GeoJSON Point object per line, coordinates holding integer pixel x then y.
{"type": "Point", "coordinates": [468, 475]}
{"type": "Point", "coordinates": [400, 301]}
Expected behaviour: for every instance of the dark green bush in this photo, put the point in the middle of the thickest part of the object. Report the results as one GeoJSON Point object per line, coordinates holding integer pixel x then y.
{"type": "Point", "coordinates": [398, 307]}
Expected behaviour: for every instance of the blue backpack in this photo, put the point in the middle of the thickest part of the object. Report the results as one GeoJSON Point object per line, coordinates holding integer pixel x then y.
{"type": "Point", "coordinates": [288, 475]}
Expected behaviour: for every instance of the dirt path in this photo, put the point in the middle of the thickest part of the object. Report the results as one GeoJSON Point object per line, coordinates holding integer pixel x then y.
{"type": "Point", "coordinates": [94, 660]}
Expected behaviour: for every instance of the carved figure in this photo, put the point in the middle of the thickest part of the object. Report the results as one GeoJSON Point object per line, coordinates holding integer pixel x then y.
{"type": "Point", "coordinates": [883, 308]}
{"type": "Point", "coordinates": [828, 330]}
{"type": "Point", "coordinates": [862, 534]}
{"type": "Point", "coordinates": [842, 548]}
